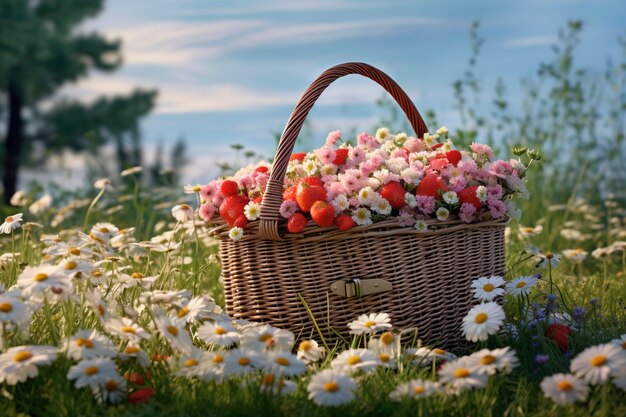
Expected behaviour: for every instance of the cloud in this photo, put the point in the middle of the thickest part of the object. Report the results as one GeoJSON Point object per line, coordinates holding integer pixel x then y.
{"type": "Point", "coordinates": [530, 41]}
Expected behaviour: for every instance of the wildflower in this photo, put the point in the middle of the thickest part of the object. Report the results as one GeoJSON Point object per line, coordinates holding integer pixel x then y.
{"type": "Point", "coordinates": [414, 389]}
{"type": "Point", "coordinates": [38, 281]}
{"type": "Point", "coordinates": [450, 197]}
{"type": "Point", "coordinates": [19, 199]}
{"type": "Point", "coordinates": [88, 344]}
{"type": "Point", "coordinates": [141, 395]}
{"type": "Point", "coordinates": [102, 184]}
{"type": "Point", "coordinates": [193, 363]}
{"type": "Point", "coordinates": [40, 205]}
{"type": "Point", "coordinates": [481, 193]}
{"type": "Point", "coordinates": [131, 171]}
{"type": "Point", "coordinates": [220, 333]}
{"type": "Point", "coordinates": [309, 351]}
{"type": "Point", "coordinates": [284, 363]}
{"type": "Point", "coordinates": [288, 208]}
{"type": "Point", "coordinates": [277, 386]}
{"type": "Point", "coordinates": [192, 189]}
{"type": "Point", "coordinates": [421, 226]}
{"type": "Point", "coordinates": [92, 372]}
{"type": "Point", "coordinates": [252, 211]}
{"type": "Point", "coordinates": [11, 223]}
{"type": "Point", "coordinates": [521, 286]}
{"type": "Point", "coordinates": [196, 307]}
{"type": "Point", "coordinates": [491, 361]}
{"type": "Point", "coordinates": [542, 359]}
{"type": "Point", "coordinates": [442, 214]}
{"type": "Point", "coordinates": [526, 231]}
{"type": "Point", "coordinates": [183, 213]}
{"type": "Point", "coordinates": [425, 355]}
{"type": "Point", "coordinates": [103, 232]}
{"type": "Point", "coordinates": [13, 310]}
{"type": "Point", "coordinates": [370, 323]}
{"type": "Point", "coordinates": [621, 342]}
{"type": "Point", "coordinates": [133, 351]}
{"type": "Point", "coordinates": [331, 388]}
{"type": "Point", "coordinates": [482, 321]}
{"type": "Point", "coordinates": [241, 362]}
{"type": "Point", "coordinates": [75, 267]}
{"type": "Point", "coordinates": [461, 374]}
{"type": "Point", "coordinates": [353, 360]}
{"type": "Point", "coordinates": [20, 363]}
{"type": "Point", "coordinates": [548, 259]}
{"type": "Point", "coordinates": [173, 330]}
{"type": "Point", "coordinates": [487, 289]}
{"type": "Point", "coordinates": [235, 233]}
{"type": "Point", "coordinates": [600, 253]}
{"type": "Point", "coordinates": [596, 363]}
{"type": "Point", "coordinates": [576, 255]}
{"type": "Point", "coordinates": [564, 389]}
{"type": "Point", "coordinates": [112, 390]}
{"type": "Point", "coordinates": [261, 337]}
{"type": "Point", "coordinates": [126, 329]}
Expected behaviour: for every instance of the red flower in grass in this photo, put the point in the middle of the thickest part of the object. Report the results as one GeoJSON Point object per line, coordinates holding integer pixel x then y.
{"type": "Point", "coordinates": [559, 334]}
{"type": "Point", "coordinates": [142, 395]}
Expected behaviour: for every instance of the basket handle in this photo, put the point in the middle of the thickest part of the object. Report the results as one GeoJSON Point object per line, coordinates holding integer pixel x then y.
{"type": "Point", "coordinates": [273, 197]}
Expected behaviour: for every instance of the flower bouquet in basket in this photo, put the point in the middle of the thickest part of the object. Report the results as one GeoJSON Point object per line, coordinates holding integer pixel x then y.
{"type": "Point", "coordinates": [360, 226]}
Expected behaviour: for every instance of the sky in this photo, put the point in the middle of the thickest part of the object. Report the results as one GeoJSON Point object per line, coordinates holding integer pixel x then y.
{"type": "Point", "coordinates": [231, 71]}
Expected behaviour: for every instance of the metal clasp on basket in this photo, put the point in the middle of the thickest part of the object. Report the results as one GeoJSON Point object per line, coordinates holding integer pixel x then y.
{"type": "Point", "coordinates": [360, 287]}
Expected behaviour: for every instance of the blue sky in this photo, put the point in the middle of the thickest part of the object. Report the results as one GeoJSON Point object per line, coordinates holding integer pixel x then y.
{"type": "Point", "coordinates": [231, 71]}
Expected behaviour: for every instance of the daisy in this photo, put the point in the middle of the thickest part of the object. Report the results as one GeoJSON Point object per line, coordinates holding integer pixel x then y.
{"type": "Point", "coordinates": [112, 390]}
{"type": "Point", "coordinates": [387, 343]}
{"type": "Point", "coordinates": [450, 197]}
{"type": "Point", "coordinates": [94, 298]}
{"type": "Point", "coordinates": [192, 189]}
{"type": "Point", "coordinates": [481, 193]}
{"type": "Point", "coordinates": [252, 210]}
{"type": "Point", "coordinates": [262, 337]}
{"type": "Point", "coordinates": [88, 344]}
{"type": "Point", "coordinates": [309, 351]}
{"type": "Point", "coordinates": [20, 363]}
{"type": "Point", "coordinates": [131, 171]}
{"type": "Point", "coordinates": [277, 386]}
{"type": "Point", "coordinates": [410, 200]}
{"type": "Point", "coordinates": [526, 231]}
{"type": "Point", "coordinates": [235, 233]}
{"type": "Point", "coordinates": [13, 310]}
{"type": "Point", "coordinates": [103, 232]}
{"type": "Point", "coordinates": [134, 351]}
{"type": "Point", "coordinates": [461, 374]}
{"type": "Point", "coordinates": [362, 216]}
{"type": "Point", "coordinates": [92, 372]}
{"type": "Point", "coordinates": [182, 212]}
{"type": "Point", "coordinates": [241, 362]}
{"type": "Point", "coordinates": [426, 355]}
{"type": "Point", "coordinates": [220, 333]}
{"type": "Point", "coordinates": [596, 363]}
{"type": "Point", "coordinates": [331, 388]}
{"type": "Point", "coordinates": [621, 342]}
{"type": "Point", "coordinates": [284, 363]}
{"type": "Point", "coordinates": [102, 184]}
{"type": "Point", "coordinates": [483, 320]}
{"type": "Point", "coordinates": [564, 389]}
{"type": "Point", "coordinates": [353, 360]}
{"type": "Point", "coordinates": [11, 223]}
{"type": "Point", "coordinates": [421, 226]}
{"type": "Point", "coordinates": [548, 259]}
{"type": "Point", "coordinates": [442, 214]}
{"type": "Point", "coordinates": [414, 389]}
{"type": "Point", "coordinates": [137, 279]}
{"type": "Point", "coordinates": [75, 267]}
{"type": "Point", "coordinates": [196, 307]}
{"type": "Point", "coordinates": [367, 196]}
{"type": "Point", "coordinates": [521, 286]}
{"type": "Point", "coordinates": [489, 362]}
{"type": "Point", "coordinates": [126, 329]}
{"type": "Point", "coordinates": [39, 280]}
{"type": "Point", "coordinates": [576, 255]}
{"type": "Point", "coordinates": [381, 206]}
{"type": "Point", "coordinates": [173, 331]}
{"type": "Point", "coordinates": [487, 289]}
{"type": "Point", "coordinates": [370, 323]}
{"type": "Point", "coordinates": [193, 364]}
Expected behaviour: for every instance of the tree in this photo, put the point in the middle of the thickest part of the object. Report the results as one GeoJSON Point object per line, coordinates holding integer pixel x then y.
{"type": "Point", "coordinates": [40, 51]}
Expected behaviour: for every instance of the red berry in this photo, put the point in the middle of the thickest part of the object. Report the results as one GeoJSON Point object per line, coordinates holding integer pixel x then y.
{"type": "Point", "coordinates": [468, 195]}
{"type": "Point", "coordinates": [559, 334]}
{"type": "Point", "coordinates": [439, 164]}
{"type": "Point", "coordinates": [141, 395]}
{"type": "Point", "coordinates": [258, 199]}
{"type": "Point", "coordinates": [454, 157]}
{"type": "Point", "coordinates": [341, 155]}
{"type": "Point", "coordinates": [134, 377]}
{"type": "Point", "coordinates": [229, 187]}
{"type": "Point", "coordinates": [241, 221]}
{"type": "Point", "coordinates": [290, 193]}
{"type": "Point", "coordinates": [430, 185]}
{"type": "Point", "coordinates": [394, 192]}
{"type": "Point", "coordinates": [323, 214]}
{"type": "Point", "coordinates": [307, 195]}
{"type": "Point", "coordinates": [232, 207]}
{"type": "Point", "coordinates": [313, 181]}
{"type": "Point", "coordinates": [296, 223]}
{"type": "Point", "coordinates": [297, 156]}
{"type": "Point", "coordinates": [262, 169]}
{"type": "Point", "coordinates": [437, 146]}
{"type": "Point", "coordinates": [344, 222]}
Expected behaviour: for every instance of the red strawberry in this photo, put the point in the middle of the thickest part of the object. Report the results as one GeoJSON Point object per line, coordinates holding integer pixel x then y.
{"type": "Point", "coordinates": [290, 193]}
{"type": "Point", "coordinates": [241, 221]}
{"type": "Point", "coordinates": [229, 187]}
{"type": "Point", "coordinates": [313, 181]}
{"type": "Point", "coordinates": [430, 185]}
{"type": "Point", "coordinates": [297, 156]}
{"type": "Point", "coordinates": [559, 334]}
{"type": "Point", "coordinates": [296, 223]}
{"type": "Point", "coordinates": [344, 222]}
{"type": "Point", "coordinates": [262, 169]}
{"type": "Point", "coordinates": [341, 155]}
{"type": "Point", "coordinates": [323, 214]}
{"type": "Point", "coordinates": [394, 192]}
{"type": "Point", "coordinates": [468, 195]}
{"type": "Point", "coordinates": [141, 395]}
{"type": "Point", "coordinates": [307, 195]}
{"type": "Point", "coordinates": [232, 207]}
{"type": "Point", "coordinates": [454, 157]}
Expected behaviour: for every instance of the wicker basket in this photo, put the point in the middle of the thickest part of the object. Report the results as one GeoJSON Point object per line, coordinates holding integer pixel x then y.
{"type": "Point", "coordinates": [421, 279]}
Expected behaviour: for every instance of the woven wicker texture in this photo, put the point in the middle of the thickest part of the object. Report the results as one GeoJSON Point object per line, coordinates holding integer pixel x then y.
{"type": "Point", "coordinates": [266, 271]}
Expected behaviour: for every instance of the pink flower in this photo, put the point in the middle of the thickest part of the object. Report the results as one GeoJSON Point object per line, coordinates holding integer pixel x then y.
{"type": "Point", "coordinates": [349, 181]}
{"type": "Point", "coordinates": [208, 191]}
{"type": "Point", "coordinates": [259, 179]}
{"type": "Point", "coordinates": [439, 164]}
{"type": "Point", "coordinates": [207, 211]}
{"type": "Point", "coordinates": [245, 181]}
{"type": "Point", "coordinates": [425, 203]}
{"type": "Point", "coordinates": [482, 149]}
{"type": "Point", "coordinates": [469, 167]}
{"type": "Point", "coordinates": [356, 155]}
{"type": "Point", "coordinates": [333, 189]}
{"type": "Point", "coordinates": [288, 208]}
{"type": "Point", "coordinates": [406, 218]}
{"type": "Point", "coordinates": [414, 144]}
{"type": "Point", "coordinates": [457, 183]}
{"type": "Point", "coordinates": [467, 212]}
{"type": "Point", "coordinates": [500, 169]}
{"type": "Point", "coordinates": [497, 209]}
{"type": "Point", "coordinates": [495, 191]}
{"type": "Point", "coordinates": [354, 202]}
{"type": "Point", "coordinates": [332, 137]}
{"type": "Point", "coordinates": [368, 141]}
{"type": "Point", "coordinates": [325, 154]}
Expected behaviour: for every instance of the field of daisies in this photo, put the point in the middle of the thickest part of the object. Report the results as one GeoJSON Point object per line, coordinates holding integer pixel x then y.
{"type": "Point", "coordinates": [110, 305]}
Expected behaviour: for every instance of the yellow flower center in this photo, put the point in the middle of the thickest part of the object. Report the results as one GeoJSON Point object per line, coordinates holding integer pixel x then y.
{"type": "Point", "coordinates": [184, 207]}
{"type": "Point", "coordinates": [111, 385]}
{"type": "Point", "coordinates": [137, 275]}
{"type": "Point", "coordinates": [353, 360]}
{"type": "Point", "coordinates": [282, 361]}
{"type": "Point", "coordinates": [131, 350]}
{"type": "Point", "coordinates": [565, 386]}
{"type": "Point", "coordinates": [196, 188]}
{"type": "Point", "coordinates": [487, 359]}
{"type": "Point", "coordinates": [488, 287]}
{"type": "Point", "coordinates": [101, 309]}
{"type": "Point", "coordinates": [243, 361]}
{"type": "Point", "coordinates": [384, 357]}
{"type": "Point", "coordinates": [549, 255]}
{"type": "Point", "coordinates": [84, 342]}
{"type": "Point", "coordinates": [439, 351]}
{"type": "Point", "coordinates": [369, 324]}
{"type": "Point", "coordinates": [265, 337]}
{"type": "Point", "coordinates": [190, 362]}
{"type": "Point", "coordinates": [624, 345]}
{"type": "Point", "coordinates": [218, 358]}
{"type": "Point", "coordinates": [521, 284]}
{"type": "Point", "coordinates": [104, 230]}
{"type": "Point", "coordinates": [598, 360]}
{"type": "Point", "coordinates": [6, 307]}
{"type": "Point", "coordinates": [331, 387]}
{"type": "Point", "coordinates": [22, 356]}
{"type": "Point", "coordinates": [183, 312]}
{"type": "Point", "coordinates": [9, 219]}
{"type": "Point", "coordinates": [419, 390]}
{"type": "Point", "coordinates": [71, 265]}
{"type": "Point", "coordinates": [386, 338]}
{"type": "Point", "coordinates": [172, 330]}
{"type": "Point", "coordinates": [268, 379]}
{"type": "Point", "coordinates": [481, 318]}
{"type": "Point", "coordinates": [91, 370]}
{"type": "Point", "coordinates": [219, 330]}
{"type": "Point", "coordinates": [128, 329]}
{"type": "Point", "coordinates": [305, 346]}
{"type": "Point", "coordinates": [41, 277]}
{"type": "Point", "coordinates": [461, 373]}
{"type": "Point", "coordinates": [96, 274]}
{"type": "Point", "coordinates": [74, 251]}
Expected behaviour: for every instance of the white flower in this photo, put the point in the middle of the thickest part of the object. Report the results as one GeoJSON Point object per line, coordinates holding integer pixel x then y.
{"type": "Point", "coordinates": [362, 216]}
{"type": "Point", "coordinates": [442, 214]}
{"type": "Point", "coordinates": [450, 197]}
{"type": "Point", "coordinates": [196, 307]}
{"type": "Point", "coordinates": [13, 310]}
{"type": "Point", "coordinates": [511, 208]}
{"type": "Point", "coordinates": [252, 210]}
{"type": "Point", "coordinates": [103, 232]}
{"type": "Point", "coordinates": [489, 362]}
{"type": "Point", "coordinates": [482, 321]}
{"type": "Point", "coordinates": [92, 372]}
{"type": "Point", "coordinates": [241, 362]}
{"type": "Point", "coordinates": [19, 363]}
{"type": "Point", "coordinates": [112, 390]}
{"type": "Point", "coordinates": [41, 205]}
{"type": "Point", "coordinates": [421, 226]}
{"type": "Point", "coordinates": [310, 351]}
{"type": "Point", "coordinates": [487, 289]}
{"type": "Point", "coordinates": [425, 355]}
{"type": "Point", "coordinates": [19, 199]}
{"type": "Point", "coordinates": [235, 233]}
{"type": "Point", "coordinates": [75, 267]}
{"type": "Point", "coordinates": [382, 134]}
{"type": "Point", "coordinates": [284, 363]}
{"type": "Point", "coordinates": [221, 333]}
{"type": "Point", "coordinates": [381, 206]}
{"type": "Point", "coordinates": [461, 374]}
{"type": "Point", "coordinates": [576, 255]}
{"type": "Point", "coordinates": [192, 189]}
{"type": "Point", "coordinates": [370, 323]}
{"type": "Point", "coordinates": [310, 166]}
{"type": "Point", "coordinates": [621, 342]}
{"type": "Point", "coordinates": [102, 184]}
{"type": "Point", "coordinates": [564, 389]}
{"type": "Point", "coordinates": [277, 386]}
{"type": "Point", "coordinates": [416, 388]}
{"type": "Point", "coordinates": [262, 337]}
{"type": "Point", "coordinates": [11, 223]}
{"type": "Point", "coordinates": [521, 286]}
{"type": "Point", "coordinates": [353, 360]}
{"type": "Point", "coordinates": [410, 200]}
{"type": "Point", "coordinates": [442, 131]}
{"type": "Point", "coordinates": [131, 171]}
{"type": "Point", "coordinates": [89, 344]}
{"type": "Point", "coordinates": [341, 203]}
{"type": "Point", "coordinates": [193, 364]}
{"type": "Point", "coordinates": [126, 329]}
{"type": "Point", "coordinates": [548, 259]}
{"type": "Point", "coordinates": [38, 281]}
{"type": "Point", "coordinates": [596, 363]}
{"type": "Point", "coordinates": [331, 388]}
{"type": "Point", "coordinates": [481, 193]}
{"type": "Point", "coordinates": [173, 330]}
{"type": "Point", "coordinates": [134, 351]}
{"type": "Point", "coordinates": [183, 212]}
{"type": "Point", "coordinates": [527, 231]}
{"type": "Point", "coordinates": [367, 196]}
